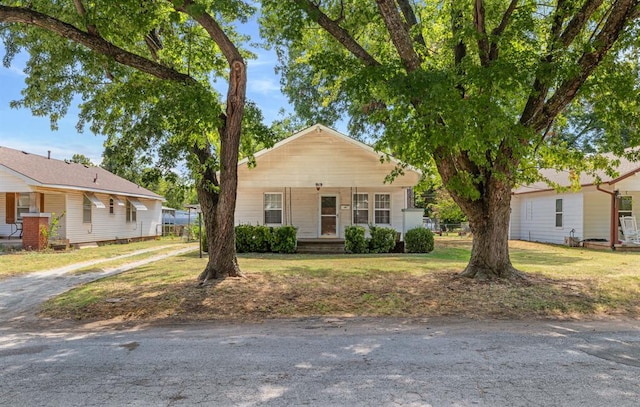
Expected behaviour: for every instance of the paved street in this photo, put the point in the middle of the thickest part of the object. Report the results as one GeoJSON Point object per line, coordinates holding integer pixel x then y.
{"type": "Point", "coordinates": [322, 362]}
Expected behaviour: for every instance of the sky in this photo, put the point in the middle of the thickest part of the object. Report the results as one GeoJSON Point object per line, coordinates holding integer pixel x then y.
{"type": "Point", "coordinates": [20, 130]}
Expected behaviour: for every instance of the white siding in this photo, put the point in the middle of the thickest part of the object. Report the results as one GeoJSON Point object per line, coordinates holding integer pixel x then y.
{"type": "Point", "coordinates": [537, 217]}
{"type": "Point", "coordinates": [11, 183]}
{"type": "Point", "coordinates": [301, 207]}
{"type": "Point", "coordinates": [320, 158]}
{"type": "Point", "coordinates": [106, 226]}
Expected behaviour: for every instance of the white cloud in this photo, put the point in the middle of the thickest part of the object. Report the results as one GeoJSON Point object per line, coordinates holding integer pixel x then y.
{"type": "Point", "coordinates": [263, 86]}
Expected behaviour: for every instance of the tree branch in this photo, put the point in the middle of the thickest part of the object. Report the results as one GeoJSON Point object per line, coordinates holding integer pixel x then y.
{"type": "Point", "coordinates": [621, 13]}
{"type": "Point", "coordinates": [479, 23]}
{"type": "Point", "coordinates": [412, 21]}
{"type": "Point", "coordinates": [229, 50]}
{"type": "Point", "coordinates": [98, 44]}
{"type": "Point", "coordinates": [497, 32]}
{"type": "Point", "coordinates": [338, 33]}
{"type": "Point", "coordinates": [579, 20]}
{"type": "Point", "coordinates": [399, 34]}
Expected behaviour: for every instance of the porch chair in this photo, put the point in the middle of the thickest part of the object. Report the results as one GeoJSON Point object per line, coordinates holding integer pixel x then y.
{"type": "Point", "coordinates": [630, 229]}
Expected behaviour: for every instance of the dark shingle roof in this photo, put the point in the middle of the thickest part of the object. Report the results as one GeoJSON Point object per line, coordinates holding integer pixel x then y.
{"type": "Point", "coordinates": [61, 174]}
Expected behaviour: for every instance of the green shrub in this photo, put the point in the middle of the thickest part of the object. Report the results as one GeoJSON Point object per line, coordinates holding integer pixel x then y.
{"type": "Point", "coordinates": [418, 240]}
{"type": "Point", "coordinates": [382, 239]}
{"type": "Point", "coordinates": [354, 239]}
{"type": "Point", "coordinates": [283, 239]}
{"type": "Point", "coordinates": [252, 239]}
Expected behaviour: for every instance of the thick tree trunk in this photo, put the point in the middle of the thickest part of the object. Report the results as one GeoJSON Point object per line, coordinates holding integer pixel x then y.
{"type": "Point", "coordinates": [488, 216]}
{"type": "Point", "coordinates": [490, 251]}
{"type": "Point", "coordinates": [219, 209]}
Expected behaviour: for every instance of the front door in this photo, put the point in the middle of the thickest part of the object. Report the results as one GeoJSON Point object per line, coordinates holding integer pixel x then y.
{"type": "Point", "coordinates": [328, 215]}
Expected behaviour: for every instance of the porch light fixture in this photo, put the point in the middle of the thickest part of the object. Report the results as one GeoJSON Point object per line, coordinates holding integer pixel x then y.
{"type": "Point", "coordinates": [318, 186]}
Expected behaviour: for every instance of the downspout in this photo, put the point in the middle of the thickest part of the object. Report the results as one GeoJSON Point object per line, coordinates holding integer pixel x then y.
{"type": "Point", "coordinates": [613, 225]}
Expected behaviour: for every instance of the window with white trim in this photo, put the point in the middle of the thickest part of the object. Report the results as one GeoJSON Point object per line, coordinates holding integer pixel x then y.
{"type": "Point", "coordinates": [559, 213]}
{"type": "Point", "coordinates": [382, 209]}
{"type": "Point", "coordinates": [273, 208]}
{"type": "Point", "coordinates": [111, 204]}
{"type": "Point", "coordinates": [360, 209]}
{"type": "Point", "coordinates": [86, 209]}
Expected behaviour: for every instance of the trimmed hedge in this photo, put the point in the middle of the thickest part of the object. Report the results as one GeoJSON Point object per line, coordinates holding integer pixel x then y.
{"type": "Point", "coordinates": [418, 240]}
{"type": "Point", "coordinates": [283, 239]}
{"type": "Point", "coordinates": [382, 240]}
{"type": "Point", "coordinates": [354, 240]}
{"type": "Point", "coordinates": [253, 239]}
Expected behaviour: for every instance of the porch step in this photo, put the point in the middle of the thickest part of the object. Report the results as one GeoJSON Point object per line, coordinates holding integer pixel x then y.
{"type": "Point", "coordinates": [320, 246]}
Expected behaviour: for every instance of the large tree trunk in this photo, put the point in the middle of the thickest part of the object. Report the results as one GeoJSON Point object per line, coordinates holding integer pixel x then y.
{"type": "Point", "coordinates": [489, 222]}
{"type": "Point", "coordinates": [488, 215]}
{"type": "Point", "coordinates": [219, 208]}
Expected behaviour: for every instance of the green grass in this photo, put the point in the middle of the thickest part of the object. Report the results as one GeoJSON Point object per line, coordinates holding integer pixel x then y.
{"type": "Point", "coordinates": [564, 283]}
{"type": "Point", "coordinates": [20, 262]}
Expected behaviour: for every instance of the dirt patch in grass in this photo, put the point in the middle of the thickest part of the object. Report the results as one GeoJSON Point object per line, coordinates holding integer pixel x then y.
{"type": "Point", "coordinates": [279, 286]}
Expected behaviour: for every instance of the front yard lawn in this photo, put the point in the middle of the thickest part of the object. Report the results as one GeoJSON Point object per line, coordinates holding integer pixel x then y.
{"type": "Point", "coordinates": [565, 283]}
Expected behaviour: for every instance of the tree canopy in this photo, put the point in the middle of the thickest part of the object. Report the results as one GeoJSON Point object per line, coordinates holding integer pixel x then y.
{"type": "Point", "coordinates": [483, 89]}
{"type": "Point", "coordinates": [144, 73]}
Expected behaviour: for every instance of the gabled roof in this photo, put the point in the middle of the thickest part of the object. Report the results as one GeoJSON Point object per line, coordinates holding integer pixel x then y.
{"type": "Point", "coordinates": [41, 171]}
{"type": "Point", "coordinates": [626, 169]}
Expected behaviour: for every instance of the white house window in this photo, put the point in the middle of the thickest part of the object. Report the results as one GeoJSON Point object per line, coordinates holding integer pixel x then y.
{"type": "Point", "coordinates": [382, 209]}
{"type": "Point", "coordinates": [626, 206]}
{"type": "Point", "coordinates": [111, 203]}
{"type": "Point", "coordinates": [558, 213]}
{"type": "Point", "coordinates": [360, 208]}
{"type": "Point", "coordinates": [24, 202]}
{"type": "Point", "coordinates": [273, 208]}
{"type": "Point", "coordinates": [131, 212]}
{"type": "Point", "coordinates": [86, 209]}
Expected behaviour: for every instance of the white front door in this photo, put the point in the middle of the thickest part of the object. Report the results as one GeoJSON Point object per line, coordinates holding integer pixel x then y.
{"type": "Point", "coordinates": [328, 216]}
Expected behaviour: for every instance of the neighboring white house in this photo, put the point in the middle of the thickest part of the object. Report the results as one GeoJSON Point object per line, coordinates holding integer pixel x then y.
{"type": "Point", "coordinates": [321, 181]}
{"type": "Point", "coordinates": [539, 213]}
{"type": "Point", "coordinates": [97, 205]}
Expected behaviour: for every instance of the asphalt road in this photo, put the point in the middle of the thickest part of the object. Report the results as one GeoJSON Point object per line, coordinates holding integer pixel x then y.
{"type": "Point", "coordinates": [324, 362]}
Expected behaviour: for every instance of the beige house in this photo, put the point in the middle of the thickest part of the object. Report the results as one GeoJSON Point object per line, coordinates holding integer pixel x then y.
{"type": "Point", "coordinates": [97, 205]}
{"type": "Point", "coordinates": [321, 181]}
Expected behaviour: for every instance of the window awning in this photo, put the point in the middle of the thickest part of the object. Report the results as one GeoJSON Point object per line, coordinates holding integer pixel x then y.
{"type": "Point", "coordinates": [95, 201]}
{"type": "Point", "coordinates": [117, 200]}
{"type": "Point", "coordinates": [137, 204]}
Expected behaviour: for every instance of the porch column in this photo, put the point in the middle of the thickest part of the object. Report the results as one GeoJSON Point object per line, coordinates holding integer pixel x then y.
{"type": "Point", "coordinates": [33, 225]}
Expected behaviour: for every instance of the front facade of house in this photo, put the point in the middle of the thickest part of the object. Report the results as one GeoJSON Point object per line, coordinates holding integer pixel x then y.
{"type": "Point", "coordinates": [540, 214]}
{"type": "Point", "coordinates": [97, 205]}
{"type": "Point", "coordinates": [321, 181]}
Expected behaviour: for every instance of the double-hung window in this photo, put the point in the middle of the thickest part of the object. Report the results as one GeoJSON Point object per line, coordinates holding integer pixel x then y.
{"type": "Point", "coordinates": [382, 209]}
{"type": "Point", "coordinates": [272, 208]}
{"type": "Point", "coordinates": [360, 209]}
{"type": "Point", "coordinates": [559, 213]}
